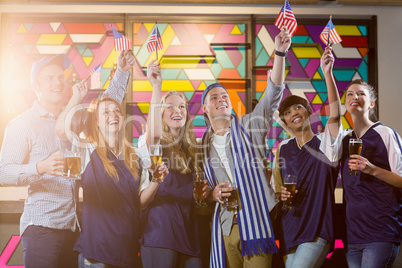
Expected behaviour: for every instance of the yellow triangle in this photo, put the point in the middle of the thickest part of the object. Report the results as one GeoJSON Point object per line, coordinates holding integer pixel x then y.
{"type": "Point", "coordinates": [286, 72]}
{"type": "Point", "coordinates": [106, 84]}
{"type": "Point", "coordinates": [87, 60]}
{"type": "Point", "coordinates": [345, 123]}
{"type": "Point", "coordinates": [235, 30]}
{"type": "Point", "coordinates": [144, 107]}
{"type": "Point", "coordinates": [149, 26]}
{"type": "Point", "coordinates": [202, 86]}
{"type": "Point", "coordinates": [111, 59]}
{"type": "Point", "coordinates": [22, 29]}
{"type": "Point", "coordinates": [317, 75]}
{"type": "Point", "coordinates": [343, 98]}
{"type": "Point", "coordinates": [317, 100]}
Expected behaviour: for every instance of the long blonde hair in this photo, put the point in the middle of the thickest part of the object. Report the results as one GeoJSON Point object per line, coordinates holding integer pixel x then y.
{"type": "Point", "coordinates": [96, 137]}
{"type": "Point", "coordinates": [181, 150]}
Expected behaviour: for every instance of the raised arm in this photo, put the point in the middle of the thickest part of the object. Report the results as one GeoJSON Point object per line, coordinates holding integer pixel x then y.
{"type": "Point", "coordinates": [64, 122]}
{"type": "Point", "coordinates": [118, 85]}
{"type": "Point", "coordinates": [154, 121]}
{"type": "Point", "coordinates": [282, 45]}
{"type": "Point", "coordinates": [334, 121]}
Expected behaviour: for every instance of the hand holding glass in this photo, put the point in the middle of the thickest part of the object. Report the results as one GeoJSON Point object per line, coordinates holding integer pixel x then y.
{"type": "Point", "coordinates": [290, 182]}
{"type": "Point", "coordinates": [155, 152]}
{"type": "Point", "coordinates": [231, 202]}
{"type": "Point", "coordinates": [198, 180]}
{"type": "Point", "coordinates": [355, 147]}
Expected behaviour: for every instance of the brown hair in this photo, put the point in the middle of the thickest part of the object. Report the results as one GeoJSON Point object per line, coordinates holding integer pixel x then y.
{"type": "Point", "coordinates": [96, 137]}
{"type": "Point", "coordinates": [180, 150]}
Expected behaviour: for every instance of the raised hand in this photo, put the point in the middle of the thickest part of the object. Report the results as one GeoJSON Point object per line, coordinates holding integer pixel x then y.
{"type": "Point", "coordinates": [80, 90]}
{"type": "Point", "coordinates": [53, 165]}
{"type": "Point", "coordinates": [154, 73]}
{"type": "Point", "coordinates": [283, 40]}
{"type": "Point", "coordinates": [327, 60]}
{"type": "Point", "coordinates": [126, 60]}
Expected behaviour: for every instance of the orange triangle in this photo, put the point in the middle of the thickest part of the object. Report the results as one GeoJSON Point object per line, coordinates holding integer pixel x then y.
{"type": "Point", "coordinates": [363, 51]}
{"type": "Point", "coordinates": [136, 27]}
{"type": "Point", "coordinates": [67, 41]}
{"type": "Point", "coordinates": [349, 119]}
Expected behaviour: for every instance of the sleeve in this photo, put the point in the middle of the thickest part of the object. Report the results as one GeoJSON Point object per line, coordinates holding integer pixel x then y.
{"type": "Point", "coordinates": [117, 87]}
{"type": "Point", "coordinates": [15, 168]}
{"type": "Point", "coordinates": [85, 148]}
{"type": "Point", "coordinates": [395, 153]}
{"type": "Point", "coordinates": [258, 121]}
{"type": "Point", "coordinates": [332, 146]}
{"type": "Point", "coordinates": [145, 159]}
{"type": "Point", "coordinates": [276, 172]}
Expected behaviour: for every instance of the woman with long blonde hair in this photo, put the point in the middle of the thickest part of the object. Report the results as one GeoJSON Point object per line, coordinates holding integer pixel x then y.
{"type": "Point", "coordinates": [110, 182]}
{"type": "Point", "coordinates": [170, 235]}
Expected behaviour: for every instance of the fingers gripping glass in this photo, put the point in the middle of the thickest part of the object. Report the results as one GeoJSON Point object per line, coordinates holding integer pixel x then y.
{"type": "Point", "coordinates": [355, 147]}
{"type": "Point", "coordinates": [232, 201]}
{"type": "Point", "coordinates": [290, 182]}
{"type": "Point", "coordinates": [155, 152]}
{"type": "Point", "coordinates": [198, 180]}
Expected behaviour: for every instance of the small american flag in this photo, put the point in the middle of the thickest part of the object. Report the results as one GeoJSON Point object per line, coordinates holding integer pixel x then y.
{"type": "Point", "coordinates": [95, 74]}
{"type": "Point", "coordinates": [120, 41]}
{"type": "Point", "coordinates": [290, 20]}
{"type": "Point", "coordinates": [334, 37]}
{"type": "Point", "coordinates": [154, 39]}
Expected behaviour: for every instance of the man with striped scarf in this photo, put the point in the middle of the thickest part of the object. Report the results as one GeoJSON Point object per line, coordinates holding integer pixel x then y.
{"type": "Point", "coordinates": [234, 151]}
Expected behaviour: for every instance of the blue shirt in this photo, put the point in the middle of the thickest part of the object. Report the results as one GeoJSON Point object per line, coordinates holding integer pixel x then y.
{"type": "Point", "coordinates": [316, 166]}
{"type": "Point", "coordinates": [110, 218]}
{"type": "Point", "coordinates": [170, 220]}
{"type": "Point", "coordinates": [373, 207]}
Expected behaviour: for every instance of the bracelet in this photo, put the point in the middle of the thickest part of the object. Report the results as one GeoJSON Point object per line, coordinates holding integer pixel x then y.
{"type": "Point", "coordinates": [280, 53]}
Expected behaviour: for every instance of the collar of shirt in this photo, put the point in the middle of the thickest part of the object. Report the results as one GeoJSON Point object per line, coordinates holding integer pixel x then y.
{"type": "Point", "coordinates": [41, 112]}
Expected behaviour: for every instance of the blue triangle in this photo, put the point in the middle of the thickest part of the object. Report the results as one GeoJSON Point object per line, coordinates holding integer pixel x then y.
{"type": "Point", "coordinates": [304, 62]}
{"type": "Point", "coordinates": [81, 49]}
{"type": "Point", "coordinates": [182, 76]}
{"type": "Point", "coordinates": [28, 26]}
{"type": "Point", "coordinates": [188, 94]}
{"type": "Point", "coordinates": [241, 27]}
{"type": "Point", "coordinates": [88, 53]}
{"type": "Point", "coordinates": [363, 30]}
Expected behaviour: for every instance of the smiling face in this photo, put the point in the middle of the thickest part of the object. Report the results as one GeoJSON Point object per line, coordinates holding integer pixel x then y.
{"type": "Point", "coordinates": [174, 112]}
{"type": "Point", "coordinates": [217, 104]}
{"type": "Point", "coordinates": [110, 118]}
{"type": "Point", "coordinates": [296, 117]}
{"type": "Point", "coordinates": [50, 85]}
{"type": "Point", "coordinates": [358, 101]}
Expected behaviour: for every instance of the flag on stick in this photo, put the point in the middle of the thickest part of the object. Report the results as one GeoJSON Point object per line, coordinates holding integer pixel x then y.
{"type": "Point", "coordinates": [95, 74]}
{"type": "Point", "coordinates": [120, 41]}
{"type": "Point", "coordinates": [155, 40]}
{"type": "Point", "coordinates": [286, 17]}
{"type": "Point", "coordinates": [329, 35]}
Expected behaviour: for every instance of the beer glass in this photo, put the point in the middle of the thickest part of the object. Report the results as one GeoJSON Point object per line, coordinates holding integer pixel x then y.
{"type": "Point", "coordinates": [289, 182]}
{"type": "Point", "coordinates": [72, 164]}
{"type": "Point", "coordinates": [155, 152]}
{"type": "Point", "coordinates": [355, 147]}
{"type": "Point", "coordinates": [232, 201]}
{"type": "Point", "coordinates": [198, 180]}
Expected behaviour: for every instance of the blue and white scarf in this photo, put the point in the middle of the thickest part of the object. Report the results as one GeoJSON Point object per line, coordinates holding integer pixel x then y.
{"type": "Point", "coordinates": [255, 227]}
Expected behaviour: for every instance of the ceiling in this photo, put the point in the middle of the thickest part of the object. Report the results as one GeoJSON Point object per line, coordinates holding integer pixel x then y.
{"type": "Point", "coordinates": [260, 2]}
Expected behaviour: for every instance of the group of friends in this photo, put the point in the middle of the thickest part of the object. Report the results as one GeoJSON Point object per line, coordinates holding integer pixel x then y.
{"type": "Point", "coordinates": [131, 218]}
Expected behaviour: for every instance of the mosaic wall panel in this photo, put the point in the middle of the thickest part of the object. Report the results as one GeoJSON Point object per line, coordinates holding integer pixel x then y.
{"type": "Point", "coordinates": [303, 73]}
{"type": "Point", "coordinates": [194, 56]}
{"type": "Point", "coordinates": [86, 44]}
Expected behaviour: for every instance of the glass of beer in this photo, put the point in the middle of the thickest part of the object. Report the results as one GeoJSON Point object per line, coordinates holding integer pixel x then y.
{"type": "Point", "coordinates": [232, 201]}
{"type": "Point", "coordinates": [198, 180]}
{"type": "Point", "coordinates": [155, 152]}
{"type": "Point", "coordinates": [289, 182]}
{"type": "Point", "coordinates": [355, 147]}
{"type": "Point", "coordinates": [72, 165]}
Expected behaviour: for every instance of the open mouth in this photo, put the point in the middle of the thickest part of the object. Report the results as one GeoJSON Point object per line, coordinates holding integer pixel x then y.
{"type": "Point", "coordinates": [296, 120]}
{"type": "Point", "coordinates": [355, 104]}
{"type": "Point", "coordinates": [221, 107]}
{"type": "Point", "coordinates": [113, 122]}
{"type": "Point", "coordinates": [177, 118]}
{"type": "Point", "coordinates": [57, 90]}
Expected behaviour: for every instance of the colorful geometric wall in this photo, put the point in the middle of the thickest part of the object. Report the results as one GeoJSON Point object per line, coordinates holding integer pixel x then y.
{"type": "Point", "coordinates": [303, 73]}
{"type": "Point", "coordinates": [194, 56]}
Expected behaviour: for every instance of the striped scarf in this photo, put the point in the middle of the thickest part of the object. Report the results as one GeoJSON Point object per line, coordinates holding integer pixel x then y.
{"type": "Point", "coordinates": [255, 228]}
